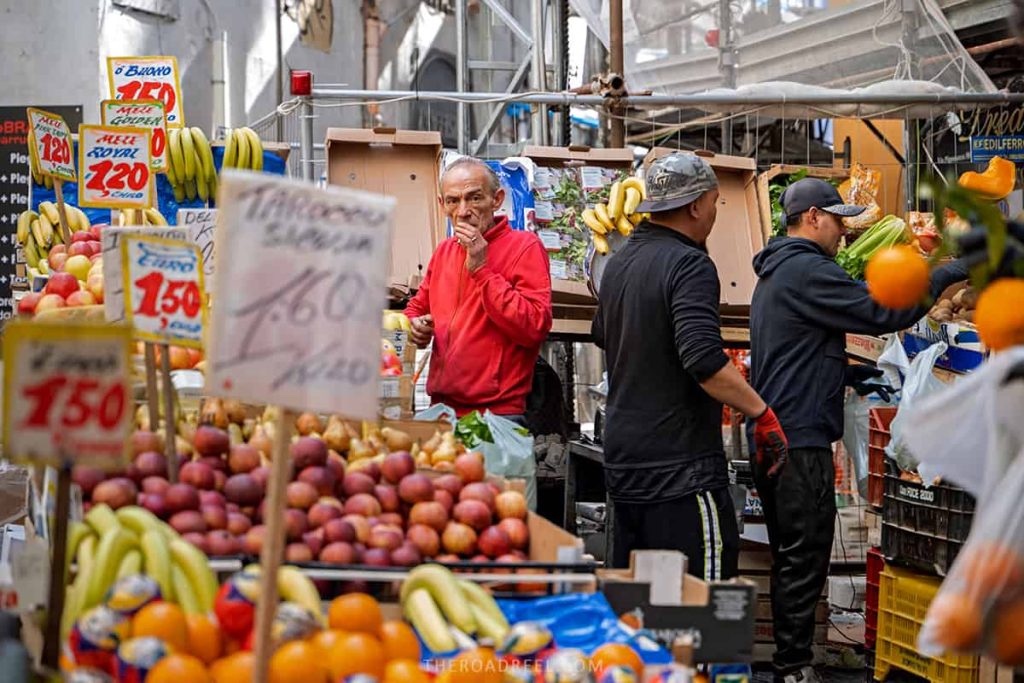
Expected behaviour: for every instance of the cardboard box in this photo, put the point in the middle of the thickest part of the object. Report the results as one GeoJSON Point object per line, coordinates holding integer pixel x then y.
{"type": "Point", "coordinates": [406, 165]}
{"type": "Point", "coordinates": [720, 615]}
{"type": "Point", "coordinates": [568, 280]}
{"type": "Point", "coordinates": [737, 234]}
{"type": "Point", "coordinates": [965, 352]}
{"type": "Point", "coordinates": [396, 395]}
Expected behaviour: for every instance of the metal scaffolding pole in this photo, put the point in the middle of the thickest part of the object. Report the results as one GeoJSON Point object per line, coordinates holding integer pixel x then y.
{"type": "Point", "coordinates": [694, 101]}
{"type": "Point", "coordinates": [616, 66]}
{"type": "Point", "coordinates": [538, 80]}
{"type": "Point", "coordinates": [462, 72]}
{"type": "Point", "coordinates": [306, 139]}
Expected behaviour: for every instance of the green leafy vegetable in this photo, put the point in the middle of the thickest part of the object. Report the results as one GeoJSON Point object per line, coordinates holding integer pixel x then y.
{"type": "Point", "coordinates": [887, 232]}
{"type": "Point", "coordinates": [472, 430]}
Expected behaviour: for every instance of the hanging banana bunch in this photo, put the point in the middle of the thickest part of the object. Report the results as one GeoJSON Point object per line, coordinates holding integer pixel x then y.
{"type": "Point", "coordinates": [190, 168]}
{"type": "Point", "coordinates": [146, 217]}
{"type": "Point", "coordinates": [243, 149]}
{"type": "Point", "coordinates": [619, 214]}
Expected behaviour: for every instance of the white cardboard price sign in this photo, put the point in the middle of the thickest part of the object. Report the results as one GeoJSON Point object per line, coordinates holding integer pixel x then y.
{"type": "Point", "coordinates": [199, 225]}
{"type": "Point", "coordinates": [147, 114]}
{"type": "Point", "coordinates": [113, 272]}
{"type": "Point", "coordinates": [67, 393]}
{"type": "Point", "coordinates": [52, 140]}
{"type": "Point", "coordinates": [163, 290]}
{"type": "Point", "coordinates": [116, 167]}
{"type": "Point", "coordinates": [148, 78]}
{"type": "Point", "coordinates": [301, 280]}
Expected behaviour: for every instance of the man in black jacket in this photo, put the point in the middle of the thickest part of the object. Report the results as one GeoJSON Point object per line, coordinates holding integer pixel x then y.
{"type": "Point", "coordinates": [657, 320]}
{"type": "Point", "coordinates": [803, 306]}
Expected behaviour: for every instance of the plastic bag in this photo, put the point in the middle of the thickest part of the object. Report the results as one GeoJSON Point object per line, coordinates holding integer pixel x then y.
{"type": "Point", "coordinates": [980, 605]}
{"type": "Point", "coordinates": [919, 384]}
{"type": "Point", "coordinates": [856, 428]}
{"type": "Point", "coordinates": [509, 455]}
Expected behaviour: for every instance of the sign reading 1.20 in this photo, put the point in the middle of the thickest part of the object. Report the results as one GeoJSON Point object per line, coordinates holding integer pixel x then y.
{"type": "Point", "coordinates": [148, 78]}
{"type": "Point", "coordinates": [115, 167]}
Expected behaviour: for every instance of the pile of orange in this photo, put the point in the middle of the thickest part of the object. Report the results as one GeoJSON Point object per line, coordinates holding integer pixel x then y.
{"type": "Point", "coordinates": [616, 654]}
{"type": "Point", "coordinates": [360, 641]}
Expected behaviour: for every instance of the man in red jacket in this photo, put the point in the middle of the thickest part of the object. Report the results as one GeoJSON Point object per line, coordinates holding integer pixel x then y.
{"type": "Point", "coordinates": [485, 300]}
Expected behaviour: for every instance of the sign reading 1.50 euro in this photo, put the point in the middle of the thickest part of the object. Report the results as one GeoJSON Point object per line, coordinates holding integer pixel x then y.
{"type": "Point", "coordinates": [115, 166]}
{"type": "Point", "coordinates": [148, 78]}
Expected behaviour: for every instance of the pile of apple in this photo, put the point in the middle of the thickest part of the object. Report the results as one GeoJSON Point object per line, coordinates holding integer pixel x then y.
{"type": "Point", "coordinates": [76, 275]}
{"type": "Point", "coordinates": [378, 511]}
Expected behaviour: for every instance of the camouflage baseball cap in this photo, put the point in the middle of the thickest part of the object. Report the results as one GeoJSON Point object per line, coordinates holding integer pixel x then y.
{"type": "Point", "coordinates": [676, 180]}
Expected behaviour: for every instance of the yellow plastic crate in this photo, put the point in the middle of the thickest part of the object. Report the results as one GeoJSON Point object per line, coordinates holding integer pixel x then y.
{"type": "Point", "coordinates": [903, 599]}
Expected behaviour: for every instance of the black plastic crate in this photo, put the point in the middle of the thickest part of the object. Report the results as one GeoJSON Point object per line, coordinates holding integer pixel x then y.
{"type": "Point", "coordinates": [924, 527]}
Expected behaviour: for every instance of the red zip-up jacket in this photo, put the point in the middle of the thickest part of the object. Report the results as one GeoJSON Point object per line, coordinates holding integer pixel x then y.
{"type": "Point", "coordinates": [488, 324]}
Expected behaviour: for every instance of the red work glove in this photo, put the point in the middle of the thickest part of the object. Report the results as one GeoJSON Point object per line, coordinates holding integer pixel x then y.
{"type": "Point", "coordinates": [770, 443]}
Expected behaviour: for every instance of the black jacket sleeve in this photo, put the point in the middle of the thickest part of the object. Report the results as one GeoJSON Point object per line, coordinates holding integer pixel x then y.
{"type": "Point", "coordinates": [693, 303]}
{"type": "Point", "coordinates": [597, 328]}
{"type": "Point", "coordinates": [830, 297]}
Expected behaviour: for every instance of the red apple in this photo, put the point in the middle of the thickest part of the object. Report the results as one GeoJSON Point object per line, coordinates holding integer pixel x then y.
{"type": "Point", "coordinates": [96, 231]}
{"type": "Point", "coordinates": [222, 543]}
{"type": "Point", "coordinates": [198, 539]}
{"type": "Point", "coordinates": [243, 458]}
{"type": "Point", "coordinates": [142, 441]}
{"type": "Point", "coordinates": [385, 537]}
{"type": "Point", "coordinates": [362, 504]}
{"type": "Point", "coordinates": [151, 464]}
{"type": "Point", "coordinates": [431, 513]}
{"type": "Point", "coordinates": [157, 485]}
{"type": "Point", "coordinates": [321, 478]}
{"type": "Point", "coordinates": [494, 542]}
{"type": "Point", "coordinates": [57, 249]}
{"type": "Point", "coordinates": [308, 451]}
{"type": "Point", "coordinates": [321, 513]}
{"type": "Point", "coordinates": [214, 498]}
{"type": "Point", "coordinates": [338, 553]}
{"type": "Point", "coordinates": [396, 466]}
{"type": "Point", "coordinates": [301, 495]}
{"type": "Point", "coordinates": [117, 493]}
{"type": "Point", "coordinates": [243, 490]}
{"type": "Point", "coordinates": [155, 503]}
{"type": "Point", "coordinates": [377, 557]}
{"type": "Point", "coordinates": [58, 261]}
{"type": "Point", "coordinates": [425, 538]}
{"type": "Point", "coordinates": [518, 532]}
{"type": "Point", "coordinates": [459, 539]}
{"type": "Point", "coordinates": [252, 543]}
{"type": "Point", "coordinates": [188, 521]}
{"type": "Point", "coordinates": [444, 498]}
{"type": "Point", "coordinates": [510, 504]}
{"type": "Point", "coordinates": [79, 249]}
{"type": "Point", "coordinates": [295, 524]}
{"type": "Point", "coordinates": [315, 539]}
{"type": "Point", "coordinates": [474, 513]}
{"type": "Point", "coordinates": [361, 526]}
{"type": "Point", "coordinates": [198, 474]}
{"type": "Point", "coordinates": [182, 497]}
{"type": "Point", "coordinates": [27, 304]}
{"type": "Point", "coordinates": [81, 298]}
{"type": "Point", "coordinates": [87, 478]}
{"type": "Point", "coordinates": [357, 482]}
{"type": "Point", "coordinates": [51, 302]}
{"type": "Point", "coordinates": [80, 236]}
{"type": "Point", "coordinates": [470, 467]}
{"type": "Point", "coordinates": [238, 524]}
{"type": "Point", "coordinates": [215, 516]}
{"type": "Point", "coordinates": [211, 441]}
{"type": "Point", "coordinates": [298, 552]}
{"type": "Point", "coordinates": [388, 497]}
{"type": "Point", "coordinates": [478, 491]}
{"type": "Point", "coordinates": [339, 530]}
{"type": "Point", "coordinates": [406, 555]}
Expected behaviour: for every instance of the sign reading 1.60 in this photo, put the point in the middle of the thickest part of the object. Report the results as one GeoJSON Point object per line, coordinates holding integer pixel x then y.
{"type": "Point", "coordinates": [115, 164]}
{"type": "Point", "coordinates": [148, 78]}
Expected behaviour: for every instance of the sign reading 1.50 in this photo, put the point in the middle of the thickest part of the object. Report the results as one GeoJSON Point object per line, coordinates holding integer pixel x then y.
{"type": "Point", "coordinates": [148, 78]}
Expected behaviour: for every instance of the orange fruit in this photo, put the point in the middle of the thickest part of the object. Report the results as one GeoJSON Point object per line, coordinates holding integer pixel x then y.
{"type": "Point", "coordinates": [355, 612]}
{"type": "Point", "coordinates": [204, 637]}
{"type": "Point", "coordinates": [327, 639]}
{"type": "Point", "coordinates": [180, 359]}
{"type": "Point", "coordinates": [991, 568]}
{"type": "Point", "coordinates": [475, 666]}
{"type": "Point", "coordinates": [236, 668]}
{"type": "Point", "coordinates": [617, 654]}
{"type": "Point", "coordinates": [194, 356]}
{"type": "Point", "coordinates": [999, 315]}
{"type": "Point", "coordinates": [897, 277]}
{"type": "Point", "coordinates": [404, 671]}
{"type": "Point", "coordinates": [297, 662]}
{"type": "Point", "coordinates": [1007, 634]}
{"type": "Point", "coordinates": [178, 669]}
{"type": "Point", "coordinates": [163, 620]}
{"type": "Point", "coordinates": [400, 641]}
{"type": "Point", "coordinates": [956, 620]}
{"type": "Point", "coordinates": [357, 653]}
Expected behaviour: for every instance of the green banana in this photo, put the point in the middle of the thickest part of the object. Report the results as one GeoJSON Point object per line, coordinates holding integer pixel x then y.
{"type": "Point", "coordinates": [243, 148]}
{"type": "Point", "coordinates": [205, 154]}
{"type": "Point", "coordinates": [175, 155]}
{"type": "Point", "coordinates": [179, 193]}
{"type": "Point", "coordinates": [230, 151]}
{"type": "Point", "coordinates": [130, 565]}
{"type": "Point", "coordinates": [202, 189]}
{"type": "Point", "coordinates": [114, 545]}
{"type": "Point", "coordinates": [487, 625]}
{"type": "Point", "coordinates": [184, 593]}
{"type": "Point", "coordinates": [102, 519]}
{"type": "Point", "coordinates": [157, 559]}
{"type": "Point", "coordinates": [154, 217]}
{"type": "Point", "coordinates": [422, 612]}
{"type": "Point", "coordinates": [479, 597]}
{"type": "Point", "coordinates": [25, 219]}
{"type": "Point", "coordinates": [441, 584]}
{"type": "Point", "coordinates": [85, 555]}
{"type": "Point", "coordinates": [72, 607]}
{"type": "Point", "coordinates": [77, 532]}
{"type": "Point", "coordinates": [188, 152]}
{"type": "Point", "coordinates": [195, 565]}
{"type": "Point", "coordinates": [190, 189]}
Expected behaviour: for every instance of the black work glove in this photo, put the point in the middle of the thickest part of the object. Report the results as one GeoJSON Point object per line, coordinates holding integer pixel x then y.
{"type": "Point", "coordinates": [859, 377]}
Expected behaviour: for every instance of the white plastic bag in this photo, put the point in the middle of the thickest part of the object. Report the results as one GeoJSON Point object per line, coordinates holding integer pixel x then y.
{"type": "Point", "coordinates": [973, 433]}
{"type": "Point", "coordinates": [856, 434]}
{"type": "Point", "coordinates": [919, 384]}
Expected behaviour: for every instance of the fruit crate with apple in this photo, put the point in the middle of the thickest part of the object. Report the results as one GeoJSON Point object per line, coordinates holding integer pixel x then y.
{"type": "Point", "coordinates": [903, 600]}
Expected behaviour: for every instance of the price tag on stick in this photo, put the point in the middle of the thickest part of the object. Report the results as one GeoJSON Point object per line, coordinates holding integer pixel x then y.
{"type": "Point", "coordinates": [116, 167]}
{"type": "Point", "coordinates": [199, 224]}
{"type": "Point", "coordinates": [66, 393]}
{"type": "Point", "coordinates": [51, 140]}
{"type": "Point", "coordinates": [163, 290]}
{"type": "Point", "coordinates": [148, 78]}
{"type": "Point", "coordinates": [301, 279]}
{"type": "Point", "coordinates": [147, 114]}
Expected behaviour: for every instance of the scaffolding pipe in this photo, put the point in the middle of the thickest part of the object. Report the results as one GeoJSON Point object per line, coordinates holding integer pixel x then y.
{"type": "Point", "coordinates": [306, 139]}
{"type": "Point", "coordinates": [616, 65]}
{"type": "Point", "coordinates": [682, 101]}
{"type": "Point", "coordinates": [538, 73]}
{"type": "Point", "coordinates": [461, 73]}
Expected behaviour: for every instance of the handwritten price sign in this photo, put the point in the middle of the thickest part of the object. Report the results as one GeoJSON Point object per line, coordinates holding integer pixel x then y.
{"type": "Point", "coordinates": [52, 140]}
{"type": "Point", "coordinates": [113, 269]}
{"type": "Point", "coordinates": [301, 278]}
{"type": "Point", "coordinates": [199, 223]}
{"type": "Point", "coordinates": [66, 393]}
{"type": "Point", "coordinates": [148, 78]}
{"type": "Point", "coordinates": [116, 168]}
{"type": "Point", "coordinates": [163, 290]}
{"type": "Point", "coordinates": [146, 114]}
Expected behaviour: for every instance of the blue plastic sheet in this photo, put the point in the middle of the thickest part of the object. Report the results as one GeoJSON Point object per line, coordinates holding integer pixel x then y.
{"type": "Point", "coordinates": [166, 204]}
{"type": "Point", "coordinates": [577, 620]}
{"type": "Point", "coordinates": [517, 188]}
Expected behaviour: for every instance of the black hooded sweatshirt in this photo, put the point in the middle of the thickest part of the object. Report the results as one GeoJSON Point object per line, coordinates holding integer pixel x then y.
{"type": "Point", "coordinates": [802, 308]}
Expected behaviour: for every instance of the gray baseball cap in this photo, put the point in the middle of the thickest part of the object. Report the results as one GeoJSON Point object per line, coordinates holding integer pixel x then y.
{"type": "Point", "coordinates": [676, 180]}
{"type": "Point", "coordinates": [808, 193]}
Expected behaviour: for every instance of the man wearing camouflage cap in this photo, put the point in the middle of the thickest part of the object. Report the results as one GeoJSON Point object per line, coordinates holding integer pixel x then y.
{"type": "Point", "coordinates": [657, 320]}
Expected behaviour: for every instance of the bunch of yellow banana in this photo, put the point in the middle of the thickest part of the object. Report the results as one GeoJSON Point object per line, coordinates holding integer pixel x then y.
{"type": "Point", "coordinates": [37, 233]}
{"type": "Point", "coordinates": [396, 320]}
{"type": "Point", "coordinates": [445, 610]}
{"type": "Point", "coordinates": [190, 167]}
{"type": "Point", "coordinates": [618, 214]}
{"type": "Point", "coordinates": [33, 164]}
{"type": "Point", "coordinates": [109, 545]}
{"type": "Point", "coordinates": [243, 149]}
{"type": "Point", "coordinates": [148, 216]}
{"type": "Point", "coordinates": [294, 586]}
